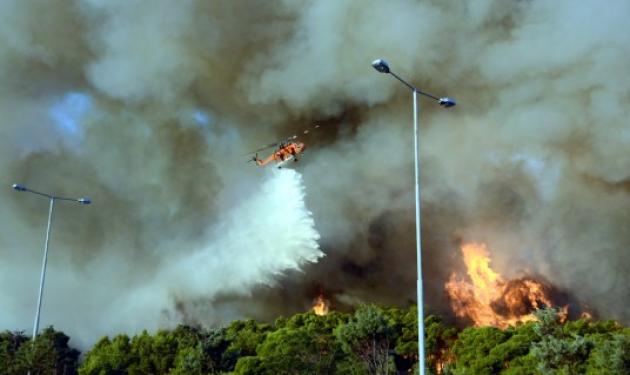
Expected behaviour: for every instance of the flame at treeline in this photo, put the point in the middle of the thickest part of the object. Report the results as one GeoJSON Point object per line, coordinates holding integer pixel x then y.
{"type": "Point", "coordinates": [321, 305]}
{"type": "Point", "coordinates": [487, 299]}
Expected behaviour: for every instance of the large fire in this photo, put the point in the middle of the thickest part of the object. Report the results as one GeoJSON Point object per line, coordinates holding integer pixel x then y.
{"type": "Point", "coordinates": [321, 305]}
{"type": "Point", "coordinates": [489, 300]}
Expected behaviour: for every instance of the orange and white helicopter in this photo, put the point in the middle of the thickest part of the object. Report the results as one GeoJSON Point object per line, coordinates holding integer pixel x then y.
{"type": "Point", "coordinates": [287, 150]}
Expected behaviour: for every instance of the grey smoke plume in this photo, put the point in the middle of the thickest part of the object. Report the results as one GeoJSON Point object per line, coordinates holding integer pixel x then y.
{"type": "Point", "coordinates": [149, 109]}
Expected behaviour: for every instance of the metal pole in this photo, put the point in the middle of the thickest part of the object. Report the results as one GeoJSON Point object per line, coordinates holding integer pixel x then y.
{"type": "Point", "coordinates": [43, 275]}
{"type": "Point", "coordinates": [383, 67]}
{"type": "Point", "coordinates": [416, 141]}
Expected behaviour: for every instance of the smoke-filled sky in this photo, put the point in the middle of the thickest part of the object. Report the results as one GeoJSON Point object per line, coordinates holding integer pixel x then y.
{"type": "Point", "coordinates": [149, 107]}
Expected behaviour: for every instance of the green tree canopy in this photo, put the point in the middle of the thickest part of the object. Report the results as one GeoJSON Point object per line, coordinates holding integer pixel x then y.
{"type": "Point", "coordinates": [49, 353]}
{"type": "Point", "coordinates": [369, 335]}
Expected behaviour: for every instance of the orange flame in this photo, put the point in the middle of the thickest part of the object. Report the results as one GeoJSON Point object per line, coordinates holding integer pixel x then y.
{"type": "Point", "coordinates": [321, 305]}
{"type": "Point", "coordinates": [488, 300]}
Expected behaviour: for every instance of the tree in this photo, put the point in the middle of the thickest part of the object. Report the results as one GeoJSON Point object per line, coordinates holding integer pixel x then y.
{"type": "Point", "coordinates": [250, 365]}
{"type": "Point", "coordinates": [406, 345]}
{"type": "Point", "coordinates": [161, 353]}
{"type": "Point", "coordinates": [473, 351]}
{"type": "Point", "coordinates": [438, 343]}
{"type": "Point", "coordinates": [555, 350]}
{"type": "Point", "coordinates": [611, 356]}
{"type": "Point", "coordinates": [189, 361]}
{"type": "Point", "coordinates": [216, 357]}
{"type": "Point", "coordinates": [295, 351]}
{"type": "Point", "coordinates": [304, 344]}
{"type": "Point", "coordinates": [10, 343]}
{"type": "Point", "coordinates": [154, 354]}
{"type": "Point", "coordinates": [369, 335]}
{"type": "Point", "coordinates": [48, 354]}
{"type": "Point", "coordinates": [108, 357]}
{"type": "Point", "coordinates": [245, 336]}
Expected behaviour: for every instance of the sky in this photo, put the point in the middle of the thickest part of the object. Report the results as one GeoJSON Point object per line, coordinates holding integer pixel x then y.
{"type": "Point", "coordinates": [150, 109]}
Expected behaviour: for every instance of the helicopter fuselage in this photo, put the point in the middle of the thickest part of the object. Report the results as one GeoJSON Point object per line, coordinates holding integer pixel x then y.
{"type": "Point", "coordinates": [285, 153]}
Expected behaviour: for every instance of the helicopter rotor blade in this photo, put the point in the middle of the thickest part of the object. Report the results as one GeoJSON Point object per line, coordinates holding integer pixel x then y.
{"type": "Point", "coordinates": [288, 139]}
{"type": "Point", "coordinates": [253, 158]}
{"type": "Point", "coordinates": [263, 148]}
{"type": "Point", "coordinates": [307, 131]}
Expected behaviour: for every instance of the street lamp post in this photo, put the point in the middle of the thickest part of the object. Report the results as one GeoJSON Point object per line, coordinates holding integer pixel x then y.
{"type": "Point", "coordinates": [382, 66]}
{"type": "Point", "coordinates": [52, 199]}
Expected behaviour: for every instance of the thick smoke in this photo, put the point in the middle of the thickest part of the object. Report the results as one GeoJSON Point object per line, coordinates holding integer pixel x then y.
{"type": "Point", "coordinates": [149, 109]}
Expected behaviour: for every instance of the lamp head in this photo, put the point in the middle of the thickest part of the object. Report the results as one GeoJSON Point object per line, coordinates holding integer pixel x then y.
{"type": "Point", "coordinates": [381, 65]}
{"type": "Point", "coordinates": [19, 187]}
{"type": "Point", "coordinates": [84, 200]}
{"type": "Point", "coordinates": [447, 102]}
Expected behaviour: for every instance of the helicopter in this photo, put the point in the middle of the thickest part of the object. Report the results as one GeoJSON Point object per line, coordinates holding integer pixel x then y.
{"type": "Point", "coordinates": [286, 150]}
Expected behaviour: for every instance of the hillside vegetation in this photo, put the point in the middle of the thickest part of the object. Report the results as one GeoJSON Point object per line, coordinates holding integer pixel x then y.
{"type": "Point", "coordinates": [372, 340]}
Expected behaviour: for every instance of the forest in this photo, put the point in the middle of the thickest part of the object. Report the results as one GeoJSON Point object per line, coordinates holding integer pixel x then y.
{"type": "Point", "coordinates": [371, 340]}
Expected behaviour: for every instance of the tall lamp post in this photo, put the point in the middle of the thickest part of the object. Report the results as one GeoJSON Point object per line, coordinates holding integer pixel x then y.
{"type": "Point", "coordinates": [52, 199]}
{"type": "Point", "coordinates": [382, 66]}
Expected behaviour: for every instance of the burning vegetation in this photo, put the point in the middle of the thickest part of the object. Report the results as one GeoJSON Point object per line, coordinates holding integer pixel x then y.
{"type": "Point", "coordinates": [487, 299]}
{"type": "Point", "coordinates": [321, 305]}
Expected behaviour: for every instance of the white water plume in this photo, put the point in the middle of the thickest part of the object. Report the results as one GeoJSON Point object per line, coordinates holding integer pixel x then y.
{"type": "Point", "coordinates": [269, 233]}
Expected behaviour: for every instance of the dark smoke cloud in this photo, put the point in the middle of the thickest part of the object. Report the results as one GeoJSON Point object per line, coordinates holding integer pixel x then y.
{"type": "Point", "coordinates": [533, 161]}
